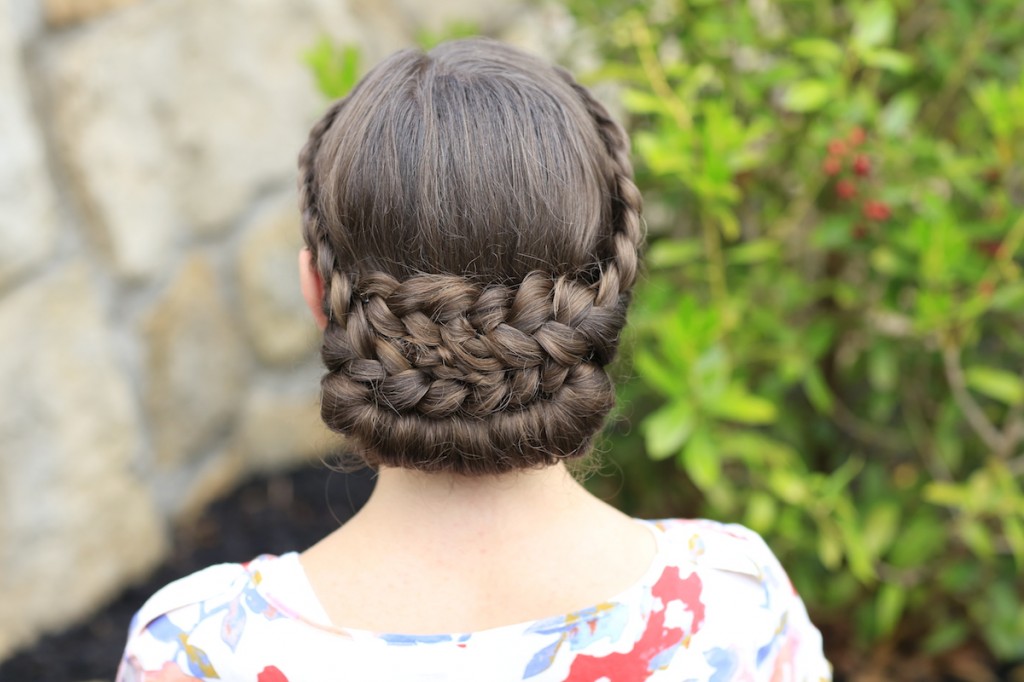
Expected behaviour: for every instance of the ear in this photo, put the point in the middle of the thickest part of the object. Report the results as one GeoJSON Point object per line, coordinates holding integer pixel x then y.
{"type": "Point", "coordinates": [312, 288]}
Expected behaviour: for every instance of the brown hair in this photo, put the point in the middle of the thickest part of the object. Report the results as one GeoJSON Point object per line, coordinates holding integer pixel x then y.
{"type": "Point", "coordinates": [474, 219]}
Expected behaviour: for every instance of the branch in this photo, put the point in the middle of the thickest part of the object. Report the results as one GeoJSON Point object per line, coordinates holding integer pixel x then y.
{"type": "Point", "coordinates": [644, 42]}
{"type": "Point", "coordinates": [988, 433]}
{"type": "Point", "coordinates": [889, 440]}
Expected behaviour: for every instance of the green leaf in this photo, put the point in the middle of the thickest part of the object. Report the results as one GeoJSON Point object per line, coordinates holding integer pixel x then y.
{"type": "Point", "coordinates": [832, 232]}
{"type": "Point", "coordinates": [889, 607]}
{"type": "Point", "coordinates": [978, 537]}
{"type": "Point", "coordinates": [668, 253]}
{"type": "Point", "coordinates": [335, 68]}
{"type": "Point", "coordinates": [1008, 297]}
{"type": "Point", "coordinates": [946, 636]}
{"type": "Point", "coordinates": [643, 102]}
{"type": "Point", "coordinates": [886, 261]}
{"type": "Point", "coordinates": [830, 549]}
{"type": "Point", "coordinates": [737, 405]}
{"type": "Point", "coordinates": [756, 251]}
{"type": "Point", "coordinates": [806, 96]}
{"type": "Point", "coordinates": [857, 558]}
{"type": "Point", "coordinates": [756, 448]}
{"type": "Point", "coordinates": [899, 114]}
{"type": "Point", "coordinates": [710, 375]}
{"type": "Point", "coordinates": [880, 528]}
{"type": "Point", "coordinates": [761, 511]}
{"type": "Point", "coordinates": [700, 460]}
{"type": "Point", "coordinates": [960, 578]}
{"type": "Point", "coordinates": [656, 374]}
{"type": "Point", "coordinates": [818, 391]}
{"type": "Point", "coordinates": [998, 384]}
{"type": "Point", "coordinates": [1013, 530]}
{"type": "Point", "coordinates": [453, 30]}
{"type": "Point", "coordinates": [817, 50]}
{"type": "Point", "coordinates": [946, 494]}
{"type": "Point", "coordinates": [873, 23]}
{"type": "Point", "coordinates": [888, 60]}
{"type": "Point", "coordinates": [923, 539]}
{"type": "Point", "coordinates": [883, 368]}
{"type": "Point", "coordinates": [789, 486]}
{"type": "Point", "coordinates": [668, 429]}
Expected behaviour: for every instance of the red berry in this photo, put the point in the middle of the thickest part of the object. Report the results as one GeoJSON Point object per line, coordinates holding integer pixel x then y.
{"type": "Point", "coordinates": [862, 165]}
{"type": "Point", "coordinates": [832, 166]}
{"type": "Point", "coordinates": [845, 189]}
{"type": "Point", "coordinates": [857, 136]}
{"type": "Point", "coordinates": [837, 147]}
{"type": "Point", "coordinates": [989, 247]}
{"type": "Point", "coordinates": [877, 210]}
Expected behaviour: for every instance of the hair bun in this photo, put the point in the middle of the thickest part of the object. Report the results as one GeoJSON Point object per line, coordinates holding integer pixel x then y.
{"type": "Point", "coordinates": [469, 375]}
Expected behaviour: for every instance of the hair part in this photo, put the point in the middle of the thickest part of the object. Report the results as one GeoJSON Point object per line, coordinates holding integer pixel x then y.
{"type": "Point", "coordinates": [473, 216]}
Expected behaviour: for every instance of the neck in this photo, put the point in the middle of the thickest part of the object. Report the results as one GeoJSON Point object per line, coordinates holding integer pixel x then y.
{"type": "Point", "coordinates": [461, 507]}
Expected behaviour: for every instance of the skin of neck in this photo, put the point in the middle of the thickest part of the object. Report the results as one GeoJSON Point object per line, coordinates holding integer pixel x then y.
{"type": "Point", "coordinates": [462, 509]}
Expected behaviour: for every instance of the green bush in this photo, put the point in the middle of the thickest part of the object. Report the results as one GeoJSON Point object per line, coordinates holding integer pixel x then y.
{"type": "Point", "coordinates": [830, 338]}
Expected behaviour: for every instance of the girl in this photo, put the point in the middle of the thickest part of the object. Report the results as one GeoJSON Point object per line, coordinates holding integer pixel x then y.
{"type": "Point", "coordinates": [472, 236]}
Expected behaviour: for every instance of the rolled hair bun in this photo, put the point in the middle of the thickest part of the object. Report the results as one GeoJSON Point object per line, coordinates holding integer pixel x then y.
{"type": "Point", "coordinates": [474, 219]}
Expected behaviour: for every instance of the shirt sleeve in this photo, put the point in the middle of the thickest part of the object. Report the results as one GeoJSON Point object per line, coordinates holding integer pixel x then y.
{"type": "Point", "coordinates": [158, 647]}
{"type": "Point", "coordinates": [796, 653]}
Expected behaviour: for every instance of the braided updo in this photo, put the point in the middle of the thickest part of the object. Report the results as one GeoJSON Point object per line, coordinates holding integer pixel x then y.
{"type": "Point", "coordinates": [472, 214]}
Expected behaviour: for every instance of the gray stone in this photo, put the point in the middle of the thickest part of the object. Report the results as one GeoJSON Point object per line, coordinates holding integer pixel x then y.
{"type": "Point", "coordinates": [195, 366]}
{"type": "Point", "coordinates": [279, 325]}
{"type": "Point", "coordinates": [75, 524]}
{"type": "Point", "coordinates": [278, 429]}
{"type": "Point", "coordinates": [108, 86]}
{"type": "Point", "coordinates": [175, 114]}
{"type": "Point", "coordinates": [27, 219]}
{"type": "Point", "coordinates": [485, 16]}
{"type": "Point", "coordinates": [26, 16]}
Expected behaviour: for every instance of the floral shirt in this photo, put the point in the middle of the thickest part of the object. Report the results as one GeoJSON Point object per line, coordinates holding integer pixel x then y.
{"type": "Point", "coordinates": [714, 606]}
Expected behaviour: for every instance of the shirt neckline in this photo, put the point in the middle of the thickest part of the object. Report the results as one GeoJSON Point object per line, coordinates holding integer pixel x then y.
{"type": "Point", "coordinates": [303, 604]}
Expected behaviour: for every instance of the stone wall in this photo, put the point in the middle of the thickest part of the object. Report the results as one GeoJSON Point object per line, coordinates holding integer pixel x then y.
{"type": "Point", "coordinates": [154, 346]}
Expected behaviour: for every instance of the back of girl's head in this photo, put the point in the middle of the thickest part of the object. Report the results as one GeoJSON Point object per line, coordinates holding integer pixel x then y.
{"type": "Point", "coordinates": [472, 214]}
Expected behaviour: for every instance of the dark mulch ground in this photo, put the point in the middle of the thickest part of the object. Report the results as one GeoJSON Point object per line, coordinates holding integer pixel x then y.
{"type": "Point", "coordinates": [292, 511]}
{"type": "Point", "coordinates": [269, 515]}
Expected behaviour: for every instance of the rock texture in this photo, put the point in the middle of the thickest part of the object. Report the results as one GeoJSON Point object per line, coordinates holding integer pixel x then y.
{"type": "Point", "coordinates": [278, 324]}
{"type": "Point", "coordinates": [27, 219]}
{"type": "Point", "coordinates": [276, 429]}
{"type": "Point", "coordinates": [195, 368]}
{"type": "Point", "coordinates": [155, 347]}
{"type": "Point", "coordinates": [75, 522]}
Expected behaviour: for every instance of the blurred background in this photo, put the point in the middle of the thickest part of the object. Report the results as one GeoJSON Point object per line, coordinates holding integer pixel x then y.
{"type": "Point", "coordinates": [827, 345]}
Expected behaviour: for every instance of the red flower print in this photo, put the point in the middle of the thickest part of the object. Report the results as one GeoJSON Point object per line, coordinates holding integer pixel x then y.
{"type": "Point", "coordinates": [271, 674]}
{"type": "Point", "coordinates": [658, 643]}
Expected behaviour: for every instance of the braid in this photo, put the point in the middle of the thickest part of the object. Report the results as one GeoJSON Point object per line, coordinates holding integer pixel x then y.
{"type": "Point", "coordinates": [445, 372]}
{"type": "Point", "coordinates": [433, 351]}
{"type": "Point", "coordinates": [627, 234]}
{"type": "Point", "coordinates": [313, 231]}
